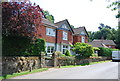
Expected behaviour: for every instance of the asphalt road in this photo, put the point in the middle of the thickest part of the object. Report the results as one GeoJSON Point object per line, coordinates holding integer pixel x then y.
{"type": "Point", "coordinates": [107, 70]}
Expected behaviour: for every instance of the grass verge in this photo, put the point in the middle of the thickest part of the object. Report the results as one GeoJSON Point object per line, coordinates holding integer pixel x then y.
{"type": "Point", "coordinates": [84, 64]}
{"type": "Point", "coordinates": [23, 73]}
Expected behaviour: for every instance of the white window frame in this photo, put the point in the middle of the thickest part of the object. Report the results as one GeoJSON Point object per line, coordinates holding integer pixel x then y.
{"type": "Point", "coordinates": [65, 47]}
{"type": "Point", "coordinates": [83, 33]}
{"type": "Point", "coordinates": [50, 32]}
{"type": "Point", "coordinates": [65, 35]}
{"type": "Point", "coordinates": [83, 39]}
{"type": "Point", "coordinates": [51, 49]}
{"type": "Point", "coordinates": [64, 26]}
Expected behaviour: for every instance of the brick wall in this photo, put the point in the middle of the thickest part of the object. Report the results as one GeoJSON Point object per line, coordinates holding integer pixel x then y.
{"type": "Point", "coordinates": [60, 37]}
{"type": "Point", "coordinates": [42, 34]}
{"type": "Point", "coordinates": [78, 38]}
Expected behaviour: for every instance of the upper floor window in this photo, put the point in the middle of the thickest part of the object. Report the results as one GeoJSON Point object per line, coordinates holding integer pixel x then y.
{"type": "Point", "coordinates": [64, 26]}
{"type": "Point", "coordinates": [65, 36]}
{"type": "Point", "coordinates": [83, 33]}
{"type": "Point", "coordinates": [83, 39]}
{"type": "Point", "coordinates": [50, 31]}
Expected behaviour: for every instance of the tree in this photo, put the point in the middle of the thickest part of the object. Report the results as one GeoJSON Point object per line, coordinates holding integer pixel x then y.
{"type": "Point", "coordinates": [21, 22]}
{"type": "Point", "coordinates": [49, 16]}
{"type": "Point", "coordinates": [82, 50]}
{"type": "Point", "coordinates": [21, 18]}
{"type": "Point", "coordinates": [72, 26]}
{"type": "Point", "coordinates": [114, 6]}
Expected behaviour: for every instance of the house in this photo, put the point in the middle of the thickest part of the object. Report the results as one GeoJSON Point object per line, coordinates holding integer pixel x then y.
{"type": "Point", "coordinates": [48, 33]}
{"type": "Point", "coordinates": [60, 35]}
{"type": "Point", "coordinates": [80, 35]}
{"type": "Point", "coordinates": [103, 43]}
{"type": "Point", "coordinates": [64, 35]}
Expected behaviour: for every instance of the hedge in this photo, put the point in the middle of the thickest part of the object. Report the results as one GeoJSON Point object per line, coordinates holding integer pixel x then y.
{"type": "Point", "coordinates": [105, 51]}
{"type": "Point", "coordinates": [22, 46]}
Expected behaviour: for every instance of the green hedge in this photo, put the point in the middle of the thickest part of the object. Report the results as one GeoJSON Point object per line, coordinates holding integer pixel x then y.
{"type": "Point", "coordinates": [105, 51]}
{"type": "Point", "coordinates": [22, 46]}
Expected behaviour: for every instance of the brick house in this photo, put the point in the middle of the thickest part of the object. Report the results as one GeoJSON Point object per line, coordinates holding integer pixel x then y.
{"type": "Point", "coordinates": [60, 35]}
{"type": "Point", "coordinates": [64, 35]}
{"type": "Point", "coordinates": [80, 35]}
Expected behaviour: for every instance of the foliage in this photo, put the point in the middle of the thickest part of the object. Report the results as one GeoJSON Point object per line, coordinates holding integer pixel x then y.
{"type": "Point", "coordinates": [105, 32]}
{"type": "Point", "coordinates": [22, 46]}
{"type": "Point", "coordinates": [96, 48]}
{"type": "Point", "coordinates": [49, 16]}
{"type": "Point", "coordinates": [82, 50]}
{"type": "Point", "coordinates": [94, 55]}
{"type": "Point", "coordinates": [72, 26]}
{"type": "Point", "coordinates": [21, 18]}
{"type": "Point", "coordinates": [105, 52]}
{"type": "Point", "coordinates": [91, 34]}
{"type": "Point", "coordinates": [67, 53]}
{"type": "Point", "coordinates": [114, 6]}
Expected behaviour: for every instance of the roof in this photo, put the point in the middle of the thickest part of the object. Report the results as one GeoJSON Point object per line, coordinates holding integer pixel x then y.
{"type": "Point", "coordinates": [60, 23]}
{"type": "Point", "coordinates": [79, 30]}
{"type": "Point", "coordinates": [47, 22]}
{"type": "Point", "coordinates": [97, 44]}
{"type": "Point", "coordinates": [101, 43]}
{"type": "Point", "coordinates": [106, 42]}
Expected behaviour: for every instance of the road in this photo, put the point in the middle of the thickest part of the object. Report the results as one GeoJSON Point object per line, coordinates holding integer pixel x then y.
{"type": "Point", "coordinates": [107, 70]}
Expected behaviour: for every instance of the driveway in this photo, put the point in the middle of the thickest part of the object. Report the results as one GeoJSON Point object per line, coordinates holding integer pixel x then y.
{"type": "Point", "coordinates": [107, 70]}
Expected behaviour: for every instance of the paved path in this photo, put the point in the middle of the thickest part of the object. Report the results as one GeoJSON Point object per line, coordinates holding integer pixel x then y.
{"type": "Point", "coordinates": [108, 70]}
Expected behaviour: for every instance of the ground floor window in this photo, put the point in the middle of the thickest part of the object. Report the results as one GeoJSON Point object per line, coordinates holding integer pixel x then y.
{"type": "Point", "coordinates": [65, 47]}
{"type": "Point", "coordinates": [50, 49]}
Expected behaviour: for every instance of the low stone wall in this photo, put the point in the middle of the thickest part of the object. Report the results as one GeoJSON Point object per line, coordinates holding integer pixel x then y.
{"type": "Point", "coordinates": [89, 60]}
{"type": "Point", "coordinates": [17, 64]}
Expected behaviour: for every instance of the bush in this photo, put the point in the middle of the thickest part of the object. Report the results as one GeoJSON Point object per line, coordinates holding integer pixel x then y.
{"type": "Point", "coordinates": [105, 52]}
{"type": "Point", "coordinates": [67, 53]}
{"type": "Point", "coordinates": [82, 50]}
{"type": "Point", "coordinates": [22, 46]}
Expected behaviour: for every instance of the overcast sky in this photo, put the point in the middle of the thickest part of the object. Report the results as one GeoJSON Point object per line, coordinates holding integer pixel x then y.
{"type": "Point", "coordinates": [81, 12]}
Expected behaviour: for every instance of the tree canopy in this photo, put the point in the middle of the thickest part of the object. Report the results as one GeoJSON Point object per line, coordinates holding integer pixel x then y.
{"type": "Point", "coordinates": [21, 18]}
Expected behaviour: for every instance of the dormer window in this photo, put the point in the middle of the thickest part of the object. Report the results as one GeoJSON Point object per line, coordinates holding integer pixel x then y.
{"type": "Point", "coordinates": [83, 33]}
{"type": "Point", "coordinates": [64, 26]}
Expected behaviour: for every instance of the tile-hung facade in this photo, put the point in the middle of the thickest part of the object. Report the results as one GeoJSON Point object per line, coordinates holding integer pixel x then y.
{"type": "Point", "coordinates": [60, 36]}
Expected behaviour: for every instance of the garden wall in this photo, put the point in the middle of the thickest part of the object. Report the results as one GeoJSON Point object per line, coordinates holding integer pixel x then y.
{"type": "Point", "coordinates": [17, 64]}
{"type": "Point", "coordinates": [12, 65]}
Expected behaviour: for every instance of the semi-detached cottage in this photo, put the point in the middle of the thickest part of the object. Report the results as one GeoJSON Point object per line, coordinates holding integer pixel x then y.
{"type": "Point", "coordinates": [60, 35]}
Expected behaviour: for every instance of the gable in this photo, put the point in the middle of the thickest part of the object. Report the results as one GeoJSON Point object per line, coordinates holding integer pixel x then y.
{"type": "Point", "coordinates": [83, 32]}
{"type": "Point", "coordinates": [80, 31]}
{"type": "Point", "coordinates": [64, 25]}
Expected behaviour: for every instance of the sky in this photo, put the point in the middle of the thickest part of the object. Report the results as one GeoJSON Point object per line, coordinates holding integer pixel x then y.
{"type": "Point", "coordinates": [81, 12]}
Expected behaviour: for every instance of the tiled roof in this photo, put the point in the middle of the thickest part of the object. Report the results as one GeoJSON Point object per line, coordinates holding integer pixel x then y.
{"type": "Point", "coordinates": [106, 42]}
{"type": "Point", "coordinates": [101, 43]}
{"type": "Point", "coordinates": [47, 22]}
{"type": "Point", "coordinates": [79, 30]}
{"type": "Point", "coordinates": [60, 23]}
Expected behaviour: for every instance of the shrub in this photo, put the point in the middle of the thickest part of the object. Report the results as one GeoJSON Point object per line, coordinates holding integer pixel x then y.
{"type": "Point", "coordinates": [105, 51]}
{"type": "Point", "coordinates": [67, 53]}
{"type": "Point", "coordinates": [82, 50]}
{"type": "Point", "coordinates": [22, 46]}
